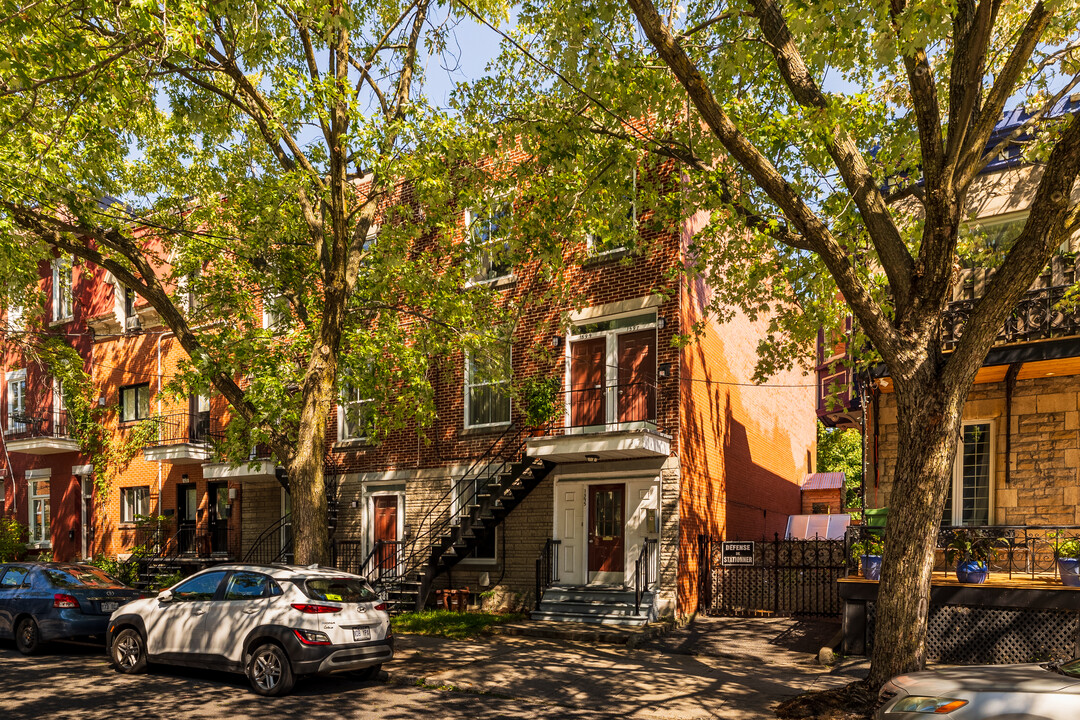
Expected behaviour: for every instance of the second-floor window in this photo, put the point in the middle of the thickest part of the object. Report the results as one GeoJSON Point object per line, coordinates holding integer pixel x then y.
{"type": "Point", "coordinates": [612, 238]}
{"type": "Point", "coordinates": [134, 402]}
{"type": "Point", "coordinates": [15, 384]}
{"type": "Point", "coordinates": [489, 230]}
{"type": "Point", "coordinates": [61, 289]}
{"type": "Point", "coordinates": [487, 387]}
{"type": "Point", "coordinates": [15, 321]}
{"type": "Point", "coordinates": [354, 414]}
{"type": "Point", "coordinates": [134, 501]}
{"type": "Point", "coordinates": [275, 312]}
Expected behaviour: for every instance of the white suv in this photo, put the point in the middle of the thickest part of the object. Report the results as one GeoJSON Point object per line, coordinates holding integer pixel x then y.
{"type": "Point", "coordinates": [272, 623]}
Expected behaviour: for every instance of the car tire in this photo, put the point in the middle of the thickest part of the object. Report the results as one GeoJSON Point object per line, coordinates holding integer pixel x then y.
{"type": "Point", "coordinates": [368, 673]}
{"type": "Point", "coordinates": [28, 637]}
{"type": "Point", "coordinates": [269, 671]}
{"type": "Point", "coordinates": [128, 652]}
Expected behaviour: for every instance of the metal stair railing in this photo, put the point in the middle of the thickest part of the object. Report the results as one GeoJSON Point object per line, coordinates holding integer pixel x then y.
{"type": "Point", "coordinates": [263, 552]}
{"type": "Point", "coordinates": [547, 568]}
{"type": "Point", "coordinates": [421, 551]}
{"type": "Point", "coordinates": [643, 568]}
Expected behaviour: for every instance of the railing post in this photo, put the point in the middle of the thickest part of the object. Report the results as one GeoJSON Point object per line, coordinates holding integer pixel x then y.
{"type": "Point", "coordinates": [776, 572]}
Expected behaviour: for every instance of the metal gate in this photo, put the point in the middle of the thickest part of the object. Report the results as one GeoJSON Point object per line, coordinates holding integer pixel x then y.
{"type": "Point", "coordinates": [784, 577]}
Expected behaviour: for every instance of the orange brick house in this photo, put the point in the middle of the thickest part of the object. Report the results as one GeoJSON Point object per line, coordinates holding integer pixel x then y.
{"type": "Point", "coordinates": [656, 444]}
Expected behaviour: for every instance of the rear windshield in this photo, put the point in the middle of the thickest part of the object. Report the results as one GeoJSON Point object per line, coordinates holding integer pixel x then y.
{"type": "Point", "coordinates": [81, 577]}
{"type": "Point", "coordinates": [338, 590]}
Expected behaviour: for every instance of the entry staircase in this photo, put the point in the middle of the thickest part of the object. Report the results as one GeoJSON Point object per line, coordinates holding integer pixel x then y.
{"type": "Point", "coordinates": [457, 524]}
{"type": "Point", "coordinates": [600, 605]}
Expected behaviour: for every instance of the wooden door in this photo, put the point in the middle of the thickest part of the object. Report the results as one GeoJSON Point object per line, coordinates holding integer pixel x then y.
{"type": "Point", "coordinates": [637, 376]}
{"type": "Point", "coordinates": [606, 526]}
{"type": "Point", "coordinates": [386, 529]}
{"type": "Point", "coordinates": [217, 502]}
{"type": "Point", "coordinates": [588, 362]}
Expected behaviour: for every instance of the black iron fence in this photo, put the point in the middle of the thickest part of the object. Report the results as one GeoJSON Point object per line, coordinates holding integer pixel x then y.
{"type": "Point", "coordinates": [778, 577]}
{"type": "Point", "coordinates": [37, 425]}
{"type": "Point", "coordinates": [1029, 551]}
{"type": "Point", "coordinates": [181, 428]}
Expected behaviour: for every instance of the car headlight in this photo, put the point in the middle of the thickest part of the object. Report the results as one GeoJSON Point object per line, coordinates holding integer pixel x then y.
{"type": "Point", "coordinates": [938, 705]}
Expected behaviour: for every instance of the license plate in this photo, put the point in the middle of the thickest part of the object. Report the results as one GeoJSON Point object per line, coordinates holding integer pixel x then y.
{"type": "Point", "coordinates": [109, 606]}
{"type": "Point", "coordinates": [361, 633]}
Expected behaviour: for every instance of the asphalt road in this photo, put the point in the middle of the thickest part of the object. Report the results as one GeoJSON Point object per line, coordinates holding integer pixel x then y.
{"type": "Point", "coordinates": [73, 681]}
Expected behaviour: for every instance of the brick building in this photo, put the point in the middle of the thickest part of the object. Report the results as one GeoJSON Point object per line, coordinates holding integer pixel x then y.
{"type": "Point", "coordinates": [655, 443]}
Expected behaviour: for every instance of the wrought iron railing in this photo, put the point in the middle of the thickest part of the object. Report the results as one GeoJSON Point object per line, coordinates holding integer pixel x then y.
{"type": "Point", "coordinates": [1035, 317]}
{"type": "Point", "coordinates": [273, 545]}
{"type": "Point", "coordinates": [182, 428]}
{"type": "Point", "coordinates": [643, 570]}
{"type": "Point", "coordinates": [383, 563]}
{"type": "Point", "coordinates": [37, 425]}
{"type": "Point", "coordinates": [605, 407]}
{"type": "Point", "coordinates": [547, 568]}
{"type": "Point", "coordinates": [1017, 551]}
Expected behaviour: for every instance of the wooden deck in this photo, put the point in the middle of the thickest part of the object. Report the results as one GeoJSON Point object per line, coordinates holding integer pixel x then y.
{"type": "Point", "coordinates": [996, 580]}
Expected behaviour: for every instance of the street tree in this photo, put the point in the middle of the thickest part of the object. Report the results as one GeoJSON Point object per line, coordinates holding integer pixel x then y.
{"type": "Point", "coordinates": [835, 146]}
{"type": "Point", "coordinates": [225, 158]}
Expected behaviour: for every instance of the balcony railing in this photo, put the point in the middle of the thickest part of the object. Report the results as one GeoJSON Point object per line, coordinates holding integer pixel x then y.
{"type": "Point", "coordinates": [22, 426]}
{"type": "Point", "coordinates": [1036, 317]}
{"type": "Point", "coordinates": [606, 407]}
{"type": "Point", "coordinates": [182, 428]}
{"type": "Point", "coordinates": [1017, 551]}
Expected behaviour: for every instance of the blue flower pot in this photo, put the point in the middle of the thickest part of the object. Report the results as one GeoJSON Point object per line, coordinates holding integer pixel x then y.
{"type": "Point", "coordinates": [871, 567]}
{"type": "Point", "coordinates": [1070, 571]}
{"type": "Point", "coordinates": [972, 572]}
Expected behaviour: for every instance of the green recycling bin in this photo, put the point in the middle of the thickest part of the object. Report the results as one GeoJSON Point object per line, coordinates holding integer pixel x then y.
{"type": "Point", "coordinates": [876, 517]}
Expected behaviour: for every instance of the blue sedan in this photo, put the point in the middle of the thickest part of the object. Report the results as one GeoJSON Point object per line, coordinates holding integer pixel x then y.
{"type": "Point", "coordinates": [40, 602]}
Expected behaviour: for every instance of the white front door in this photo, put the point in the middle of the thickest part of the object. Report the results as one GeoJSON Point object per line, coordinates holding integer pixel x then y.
{"type": "Point", "coordinates": [570, 531]}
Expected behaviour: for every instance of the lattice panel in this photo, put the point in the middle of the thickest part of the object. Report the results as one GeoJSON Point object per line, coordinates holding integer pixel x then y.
{"type": "Point", "coordinates": [963, 634]}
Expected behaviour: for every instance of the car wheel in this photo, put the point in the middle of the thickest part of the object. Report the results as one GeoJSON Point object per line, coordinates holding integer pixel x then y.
{"type": "Point", "coordinates": [27, 637]}
{"type": "Point", "coordinates": [269, 671]}
{"type": "Point", "coordinates": [128, 652]}
{"type": "Point", "coordinates": [368, 673]}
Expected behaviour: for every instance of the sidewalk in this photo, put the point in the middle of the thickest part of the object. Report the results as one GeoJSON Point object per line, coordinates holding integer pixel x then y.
{"type": "Point", "coordinates": [613, 681]}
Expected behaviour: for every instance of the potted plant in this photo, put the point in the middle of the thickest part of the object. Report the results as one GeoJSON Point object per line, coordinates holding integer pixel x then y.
{"type": "Point", "coordinates": [868, 551]}
{"type": "Point", "coordinates": [1067, 553]}
{"type": "Point", "coordinates": [972, 554]}
{"type": "Point", "coordinates": [541, 401]}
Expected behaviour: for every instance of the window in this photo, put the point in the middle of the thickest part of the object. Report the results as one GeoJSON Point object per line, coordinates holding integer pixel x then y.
{"type": "Point", "coordinates": [131, 317]}
{"type": "Point", "coordinates": [275, 314]}
{"type": "Point", "coordinates": [15, 382]}
{"type": "Point", "coordinates": [972, 478]}
{"type": "Point", "coordinates": [134, 402]}
{"type": "Point", "coordinates": [247, 586]}
{"type": "Point", "coordinates": [13, 577]}
{"type": "Point", "coordinates": [200, 587]}
{"type": "Point", "coordinates": [610, 236]}
{"type": "Point", "coordinates": [61, 289]}
{"type": "Point", "coordinates": [355, 414]}
{"type": "Point", "coordinates": [487, 387]}
{"type": "Point", "coordinates": [489, 232]}
{"type": "Point", "coordinates": [134, 501]}
{"type": "Point", "coordinates": [39, 512]}
{"type": "Point", "coordinates": [15, 320]}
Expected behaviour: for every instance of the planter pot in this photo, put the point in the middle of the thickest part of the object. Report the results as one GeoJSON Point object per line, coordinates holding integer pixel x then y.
{"type": "Point", "coordinates": [972, 572]}
{"type": "Point", "coordinates": [1070, 571]}
{"type": "Point", "coordinates": [871, 567]}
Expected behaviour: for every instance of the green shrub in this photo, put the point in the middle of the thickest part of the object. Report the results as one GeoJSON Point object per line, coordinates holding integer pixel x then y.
{"type": "Point", "coordinates": [126, 571]}
{"type": "Point", "coordinates": [13, 536]}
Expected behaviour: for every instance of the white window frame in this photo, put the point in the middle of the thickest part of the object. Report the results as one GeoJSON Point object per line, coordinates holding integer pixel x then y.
{"type": "Point", "coordinates": [62, 303]}
{"type": "Point", "coordinates": [16, 322]}
{"type": "Point", "coordinates": [14, 377]}
{"type": "Point", "coordinates": [471, 216]}
{"type": "Point", "coordinates": [46, 534]}
{"type": "Point", "coordinates": [272, 320]}
{"type": "Point", "coordinates": [611, 373]}
{"type": "Point", "coordinates": [469, 385]}
{"type": "Point", "coordinates": [590, 238]}
{"type": "Point", "coordinates": [957, 480]}
{"type": "Point", "coordinates": [343, 405]}
{"type": "Point", "coordinates": [130, 502]}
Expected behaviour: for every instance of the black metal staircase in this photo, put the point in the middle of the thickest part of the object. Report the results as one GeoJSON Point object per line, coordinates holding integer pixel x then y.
{"type": "Point", "coordinates": [459, 522]}
{"type": "Point", "coordinates": [274, 544]}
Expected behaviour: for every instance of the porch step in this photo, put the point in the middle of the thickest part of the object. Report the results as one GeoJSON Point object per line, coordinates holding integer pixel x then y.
{"type": "Point", "coordinates": [563, 594]}
{"type": "Point", "coordinates": [613, 609]}
{"type": "Point", "coordinates": [600, 606]}
{"type": "Point", "coordinates": [632, 621]}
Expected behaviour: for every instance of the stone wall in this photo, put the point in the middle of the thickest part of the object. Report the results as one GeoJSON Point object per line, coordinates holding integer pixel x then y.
{"type": "Point", "coordinates": [1044, 486]}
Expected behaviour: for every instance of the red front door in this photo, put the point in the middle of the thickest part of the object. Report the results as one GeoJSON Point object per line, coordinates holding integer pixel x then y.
{"type": "Point", "coordinates": [386, 528]}
{"type": "Point", "coordinates": [587, 371]}
{"type": "Point", "coordinates": [637, 376]}
{"type": "Point", "coordinates": [606, 524]}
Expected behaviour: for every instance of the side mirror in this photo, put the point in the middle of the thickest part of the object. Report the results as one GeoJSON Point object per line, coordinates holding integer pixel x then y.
{"type": "Point", "coordinates": [165, 596]}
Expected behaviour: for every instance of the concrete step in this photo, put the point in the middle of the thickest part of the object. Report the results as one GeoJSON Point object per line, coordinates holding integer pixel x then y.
{"type": "Point", "coordinates": [633, 621]}
{"type": "Point", "coordinates": [613, 609]}
{"type": "Point", "coordinates": [594, 596]}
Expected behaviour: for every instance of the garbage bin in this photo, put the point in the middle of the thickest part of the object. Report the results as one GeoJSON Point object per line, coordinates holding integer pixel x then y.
{"type": "Point", "coordinates": [875, 517]}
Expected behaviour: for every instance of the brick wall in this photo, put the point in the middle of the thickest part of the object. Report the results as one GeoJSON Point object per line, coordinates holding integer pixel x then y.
{"type": "Point", "coordinates": [1044, 485]}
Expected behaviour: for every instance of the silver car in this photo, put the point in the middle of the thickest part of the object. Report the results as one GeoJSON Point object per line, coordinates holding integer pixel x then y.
{"type": "Point", "coordinates": [988, 692]}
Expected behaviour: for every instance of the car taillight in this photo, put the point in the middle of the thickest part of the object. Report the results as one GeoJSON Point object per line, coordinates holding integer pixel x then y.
{"type": "Point", "coordinates": [312, 637]}
{"type": "Point", "coordinates": [380, 606]}
{"type": "Point", "coordinates": [317, 609]}
{"type": "Point", "coordinates": [61, 600]}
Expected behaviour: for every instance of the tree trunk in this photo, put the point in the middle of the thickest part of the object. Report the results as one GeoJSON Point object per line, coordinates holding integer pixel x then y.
{"type": "Point", "coordinates": [929, 418]}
